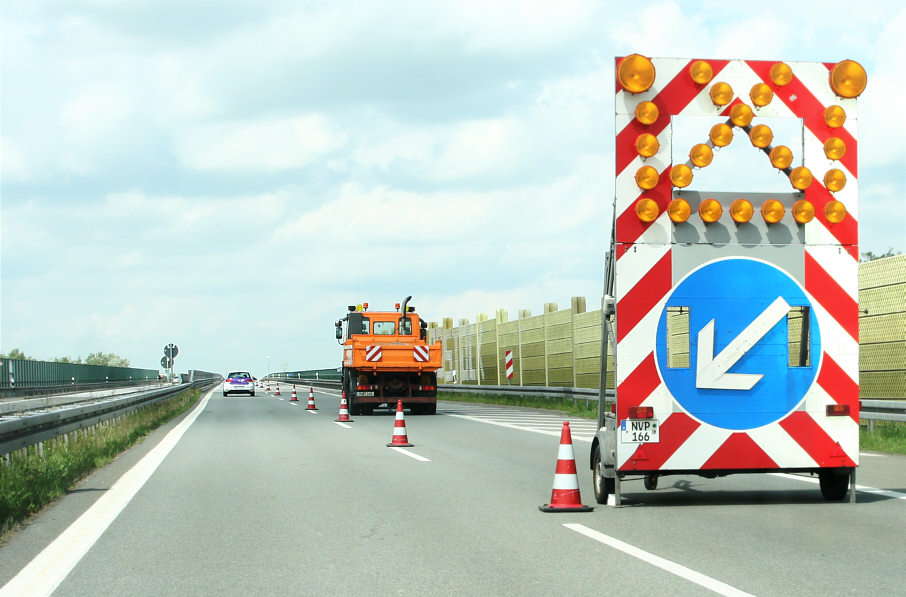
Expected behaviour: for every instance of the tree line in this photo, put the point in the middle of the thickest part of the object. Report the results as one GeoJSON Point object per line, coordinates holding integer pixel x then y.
{"type": "Point", "coordinates": [107, 359]}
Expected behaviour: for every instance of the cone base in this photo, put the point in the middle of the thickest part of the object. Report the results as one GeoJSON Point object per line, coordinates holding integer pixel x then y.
{"type": "Point", "coordinates": [552, 508]}
{"type": "Point", "coordinates": [344, 421]}
{"type": "Point", "coordinates": [393, 445]}
{"type": "Point", "coordinates": [311, 409]}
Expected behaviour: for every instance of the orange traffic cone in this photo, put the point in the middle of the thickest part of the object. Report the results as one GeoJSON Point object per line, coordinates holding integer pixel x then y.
{"type": "Point", "coordinates": [268, 385]}
{"type": "Point", "coordinates": [294, 398]}
{"type": "Point", "coordinates": [565, 495]}
{"type": "Point", "coordinates": [399, 429]}
{"type": "Point", "coordinates": [311, 400]}
{"type": "Point", "coordinates": [344, 412]}
{"type": "Point", "coordinates": [278, 390]}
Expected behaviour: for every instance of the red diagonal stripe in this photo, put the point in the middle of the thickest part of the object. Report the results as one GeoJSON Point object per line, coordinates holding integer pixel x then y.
{"type": "Point", "coordinates": [675, 430]}
{"type": "Point", "coordinates": [642, 297]}
{"type": "Point", "coordinates": [814, 440]}
{"type": "Point", "coordinates": [629, 226]}
{"type": "Point", "coordinates": [638, 386]}
{"type": "Point", "coordinates": [804, 104]}
{"type": "Point", "coordinates": [839, 386]}
{"type": "Point", "coordinates": [841, 306]}
{"type": "Point", "coordinates": [739, 451]}
{"type": "Point", "coordinates": [847, 231]}
{"type": "Point", "coordinates": [670, 101]}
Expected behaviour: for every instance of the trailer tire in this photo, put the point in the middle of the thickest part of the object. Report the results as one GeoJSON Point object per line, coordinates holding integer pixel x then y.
{"type": "Point", "coordinates": [833, 485]}
{"type": "Point", "coordinates": [430, 409]}
{"type": "Point", "coordinates": [650, 482]}
{"type": "Point", "coordinates": [603, 486]}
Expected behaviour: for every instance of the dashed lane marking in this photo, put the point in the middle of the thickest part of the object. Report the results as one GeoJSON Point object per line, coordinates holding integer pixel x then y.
{"type": "Point", "coordinates": [410, 454]}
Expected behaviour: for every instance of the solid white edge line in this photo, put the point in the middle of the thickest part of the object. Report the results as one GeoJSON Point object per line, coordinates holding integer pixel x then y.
{"type": "Point", "coordinates": [664, 564]}
{"type": "Point", "coordinates": [410, 454]}
{"type": "Point", "coordinates": [863, 488]}
{"type": "Point", "coordinates": [49, 568]}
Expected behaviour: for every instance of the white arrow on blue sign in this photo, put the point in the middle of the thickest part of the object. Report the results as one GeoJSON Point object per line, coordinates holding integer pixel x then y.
{"type": "Point", "coordinates": [739, 375]}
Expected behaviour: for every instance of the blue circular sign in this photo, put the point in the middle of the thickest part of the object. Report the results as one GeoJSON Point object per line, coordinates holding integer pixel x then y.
{"type": "Point", "coordinates": [740, 374]}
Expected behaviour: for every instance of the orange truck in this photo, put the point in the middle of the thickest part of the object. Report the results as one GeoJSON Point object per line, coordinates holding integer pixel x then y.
{"type": "Point", "coordinates": [386, 358]}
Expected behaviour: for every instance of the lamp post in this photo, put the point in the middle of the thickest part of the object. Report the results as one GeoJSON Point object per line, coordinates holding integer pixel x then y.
{"type": "Point", "coordinates": [268, 364]}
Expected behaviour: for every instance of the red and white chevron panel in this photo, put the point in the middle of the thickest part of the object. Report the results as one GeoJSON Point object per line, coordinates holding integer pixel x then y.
{"type": "Point", "coordinates": [508, 362]}
{"type": "Point", "coordinates": [650, 265]}
{"type": "Point", "coordinates": [420, 352]}
{"type": "Point", "coordinates": [373, 353]}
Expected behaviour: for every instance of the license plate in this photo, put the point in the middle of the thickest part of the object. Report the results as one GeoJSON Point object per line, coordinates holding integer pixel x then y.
{"type": "Point", "coordinates": [639, 431]}
{"type": "Point", "coordinates": [364, 393]}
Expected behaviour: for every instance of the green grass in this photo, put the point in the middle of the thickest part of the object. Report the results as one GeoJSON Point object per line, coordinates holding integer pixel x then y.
{"type": "Point", "coordinates": [887, 437]}
{"type": "Point", "coordinates": [32, 481]}
{"type": "Point", "coordinates": [577, 408]}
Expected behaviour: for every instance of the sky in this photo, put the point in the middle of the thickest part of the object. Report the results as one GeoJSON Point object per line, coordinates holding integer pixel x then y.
{"type": "Point", "coordinates": [229, 175]}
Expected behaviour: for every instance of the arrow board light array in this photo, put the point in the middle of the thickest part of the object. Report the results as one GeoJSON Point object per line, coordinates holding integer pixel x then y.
{"type": "Point", "coordinates": [737, 310]}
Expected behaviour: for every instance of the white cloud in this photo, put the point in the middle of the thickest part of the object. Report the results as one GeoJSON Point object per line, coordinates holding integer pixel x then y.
{"type": "Point", "coordinates": [13, 165]}
{"type": "Point", "coordinates": [260, 146]}
{"type": "Point", "coordinates": [520, 26]}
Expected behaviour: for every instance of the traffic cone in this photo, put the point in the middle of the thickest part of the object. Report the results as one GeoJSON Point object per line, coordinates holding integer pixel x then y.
{"type": "Point", "coordinates": [294, 398]}
{"type": "Point", "coordinates": [268, 385]}
{"type": "Point", "coordinates": [565, 495]}
{"type": "Point", "coordinates": [278, 390]}
{"type": "Point", "coordinates": [344, 412]}
{"type": "Point", "coordinates": [311, 400]}
{"type": "Point", "coordinates": [400, 438]}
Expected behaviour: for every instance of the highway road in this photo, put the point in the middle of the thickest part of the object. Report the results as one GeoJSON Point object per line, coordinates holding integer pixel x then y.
{"type": "Point", "coordinates": [258, 496]}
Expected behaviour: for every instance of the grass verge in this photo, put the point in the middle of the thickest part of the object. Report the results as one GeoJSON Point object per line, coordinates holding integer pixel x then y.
{"type": "Point", "coordinates": [577, 408]}
{"type": "Point", "coordinates": [31, 481]}
{"type": "Point", "coordinates": [887, 437]}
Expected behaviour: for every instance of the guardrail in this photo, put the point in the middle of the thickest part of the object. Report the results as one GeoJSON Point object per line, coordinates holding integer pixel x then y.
{"type": "Point", "coordinates": [20, 432]}
{"type": "Point", "coordinates": [870, 410]}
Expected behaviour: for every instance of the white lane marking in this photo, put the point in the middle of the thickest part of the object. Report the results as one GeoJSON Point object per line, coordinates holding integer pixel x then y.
{"type": "Point", "coordinates": [664, 564]}
{"type": "Point", "coordinates": [343, 425]}
{"type": "Point", "coordinates": [48, 569]}
{"type": "Point", "coordinates": [520, 428]}
{"type": "Point", "coordinates": [873, 454]}
{"type": "Point", "coordinates": [312, 412]}
{"type": "Point", "coordinates": [863, 488]}
{"type": "Point", "coordinates": [410, 454]}
{"type": "Point", "coordinates": [294, 404]}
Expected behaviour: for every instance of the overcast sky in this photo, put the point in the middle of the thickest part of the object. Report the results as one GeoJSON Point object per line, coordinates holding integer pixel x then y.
{"type": "Point", "coordinates": [228, 176]}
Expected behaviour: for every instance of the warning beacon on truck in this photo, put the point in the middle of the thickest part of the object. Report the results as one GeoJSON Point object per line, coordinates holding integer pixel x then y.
{"type": "Point", "coordinates": [735, 313]}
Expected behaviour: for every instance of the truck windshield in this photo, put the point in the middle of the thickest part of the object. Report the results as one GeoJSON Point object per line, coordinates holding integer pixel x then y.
{"type": "Point", "coordinates": [384, 328]}
{"type": "Point", "coordinates": [358, 324]}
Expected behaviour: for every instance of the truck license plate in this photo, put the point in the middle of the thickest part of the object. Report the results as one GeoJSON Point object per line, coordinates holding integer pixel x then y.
{"type": "Point", "coordinates": [364, 393]}
{"type": "Point", "coordinates": [639, 431]}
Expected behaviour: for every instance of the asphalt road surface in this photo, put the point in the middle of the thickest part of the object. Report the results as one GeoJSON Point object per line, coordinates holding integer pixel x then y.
{"type": "Point", "coordinates": [258, 496]}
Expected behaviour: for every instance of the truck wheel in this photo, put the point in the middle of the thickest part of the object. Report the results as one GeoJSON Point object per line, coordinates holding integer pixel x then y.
{"type": "Point", "coordinates": [602, 485]}
{"type": "Point", "coordinates": [650, 481]}
{"type": "Point", "coordinates": [429, 409]}
{"type": "Point", "coordinates": [833, 485]}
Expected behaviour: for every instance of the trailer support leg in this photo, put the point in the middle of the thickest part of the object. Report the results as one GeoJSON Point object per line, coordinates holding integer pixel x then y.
{"type": "Point", "coordinates": [617, 497]}
{"type": "Point", "coordinates": [852, 485]}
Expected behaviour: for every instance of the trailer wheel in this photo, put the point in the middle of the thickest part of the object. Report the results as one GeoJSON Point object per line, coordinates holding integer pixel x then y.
{"type": "Point", "coordinates": [430, 409]}
{"type": "Point", "coordinates": [833, 485]}
{"type": "Point", "coordinates": [650, 481]}
{"type": "Point", "coordinates": [602, 485]}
